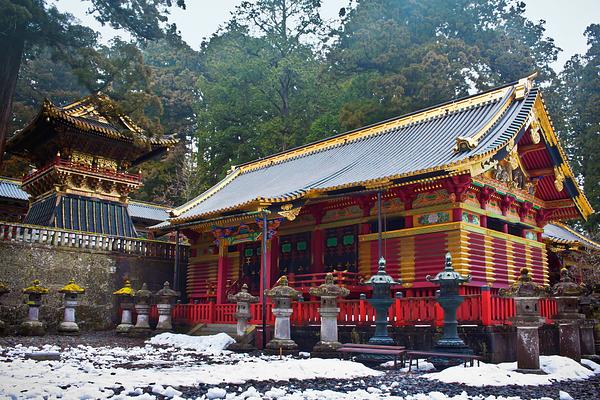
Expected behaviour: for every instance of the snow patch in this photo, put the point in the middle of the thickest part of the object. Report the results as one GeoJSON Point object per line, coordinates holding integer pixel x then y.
{"type": "Point", "coordinates": [557, 368]}
{"type": "Point", "coordinates": [214, 344]}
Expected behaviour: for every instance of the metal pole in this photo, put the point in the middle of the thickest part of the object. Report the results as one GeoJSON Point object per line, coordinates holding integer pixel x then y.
{"type": "Point", "coordinates": [379, 228]}
{"type": "Point", "coordinates": [264, 279]}
{"type": "Point", "coordinates": [176, 269]}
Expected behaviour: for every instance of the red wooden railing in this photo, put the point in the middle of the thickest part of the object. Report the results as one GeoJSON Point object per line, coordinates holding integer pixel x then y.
{"type": "Point", "coordinates": [303, 282]}
{"type": "Point", "coordinates": [476, 309]}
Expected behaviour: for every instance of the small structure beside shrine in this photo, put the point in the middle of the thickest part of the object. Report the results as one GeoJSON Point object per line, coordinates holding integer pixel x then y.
{"type": "Point", "coordinates": [329, 293]}
{"type": "Point", "coordinates": [527, 319]}
{"type": "Point", "coordinates": [142, 298]}
{"type": "Point", "coordinates": [126, 305]}
{"type": "Point", "coordinates": [282, 294]}
{"type": "Point", "coordinates": [567, 294]}
{"type": "Point", "coordinates": [242, 299]}
{"type": "Point", "coordinates": [33, 326]}
{"type": "Point", "coordinates": [71, 291]}
{"type": "Point", "coordinates": [449, 299]}
{"type": "Point", "coordinates": [164, 304]}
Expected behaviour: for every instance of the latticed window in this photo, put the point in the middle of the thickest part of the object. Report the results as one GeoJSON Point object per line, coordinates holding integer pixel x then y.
{"type": "Point", "coordinates": [341, 248]}
{"type": "Point", "coordinates": [294, 254]}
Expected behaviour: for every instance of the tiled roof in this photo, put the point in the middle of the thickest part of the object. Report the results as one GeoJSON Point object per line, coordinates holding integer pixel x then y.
{"type": "Point", "coordinates": [421, 145]}
{"type": "Point", "coordinates": [11, 189]}
{"type": "Point", "coordinates": [146, 211]}
{"type": "Point", "coordinates": [559, 233]}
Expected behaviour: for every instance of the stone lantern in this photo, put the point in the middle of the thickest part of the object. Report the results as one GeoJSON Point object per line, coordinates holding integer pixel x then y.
{"type": "Point", "coordinates": [125, 296]}
{"type": "Point", "coordinates": [166, 297]}
{"type": "Point", "coordinates": [328, 292]}
{"type": "Point", "coordinates": [381, 300]}
{"type": "Point", "coordinates": [586, 328]}
{"type": "Point", "coordinates": [567, 295]}
{"type": "Point", "coordinates": [282, 296]}
{"type": "Point", "coordinates": [242, 315]}
{"type": "Point", "coordinates": [142, 300]}
{"type": "Point", "coordinates": [527, 320]}
{"type": "Point", "coordinates": [448, 298]}
{"type": "Point", "coordinates": [3, 291]}
{"type": "Point", "coordinates": [33, 326]}
{"type": "Point", "coordinates": [71, 290]}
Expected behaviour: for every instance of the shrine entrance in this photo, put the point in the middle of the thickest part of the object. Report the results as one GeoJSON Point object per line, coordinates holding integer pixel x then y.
{"type": "Point", "coordinates": [250, 266]}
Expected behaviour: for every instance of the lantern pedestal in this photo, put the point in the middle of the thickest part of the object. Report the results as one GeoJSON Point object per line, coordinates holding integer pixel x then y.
{"type": "Point", "coordinates": [282, 342]}
{"type": "Point", "coordinates": [126, 319]}
{"type": "Point", "coordinates": [69, 326]}
{"type": "Point", "coordinates": [243, 337]}
{"type": "Point", "coordinates": [33, 326]}
{"type": "Point", "coordinates": [328, 292]}
{"type": "Point", "coordinates": [586, 333]}
{"type": "Point", "coordinates": [142, 307]}
{"type": "Point", "coordinates": [568, 294]}
{"type": "Point", "coordinates": [166, 297]}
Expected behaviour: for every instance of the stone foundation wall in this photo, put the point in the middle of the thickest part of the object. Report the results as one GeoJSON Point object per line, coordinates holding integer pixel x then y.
{"type": "Point", "coordinates": [100, 273]}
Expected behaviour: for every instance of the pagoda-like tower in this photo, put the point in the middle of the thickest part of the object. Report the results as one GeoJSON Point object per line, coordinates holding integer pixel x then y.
{"type": "Point", "coordinates": [83, 154]}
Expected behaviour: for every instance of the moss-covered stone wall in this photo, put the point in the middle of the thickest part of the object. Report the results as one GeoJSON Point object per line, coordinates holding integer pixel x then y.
{"type": "Point", "coordinates": [100, 273]}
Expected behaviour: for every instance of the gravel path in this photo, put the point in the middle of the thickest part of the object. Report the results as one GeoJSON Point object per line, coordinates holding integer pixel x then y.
{"type": "Point", "coordinates": [393, 382]}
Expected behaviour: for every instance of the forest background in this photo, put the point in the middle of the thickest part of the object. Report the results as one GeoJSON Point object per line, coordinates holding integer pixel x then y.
{"type": "Point", "coordinates": [277, 75]}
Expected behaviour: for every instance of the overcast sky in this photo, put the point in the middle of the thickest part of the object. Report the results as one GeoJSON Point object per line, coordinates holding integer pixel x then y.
{"type": "Point", "coordinates": [566, 20]}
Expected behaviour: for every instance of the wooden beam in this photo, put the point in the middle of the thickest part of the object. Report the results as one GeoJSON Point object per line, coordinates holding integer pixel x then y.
{"type": "Point", "coordinates": [541, 172]}
{"type": "Point", "coordinates": [529, 148]}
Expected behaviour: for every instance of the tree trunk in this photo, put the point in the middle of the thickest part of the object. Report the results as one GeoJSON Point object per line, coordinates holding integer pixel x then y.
{"type": "Point", "coordinates": [12, 46]}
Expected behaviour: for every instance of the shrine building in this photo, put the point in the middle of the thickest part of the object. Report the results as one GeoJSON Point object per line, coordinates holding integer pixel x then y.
{"type": "Point", "coordinates": [83, 155]}
{"type": "Point", "coordinates": [479, 177]}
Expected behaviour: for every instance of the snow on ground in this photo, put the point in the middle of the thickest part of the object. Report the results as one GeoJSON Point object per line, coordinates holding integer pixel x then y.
{"type": "Point", "coordinates": [214, 344]}
{"type": "Point", "coordinates": [557, 368]}
{"type": "Point", "coordinates": [94, 373]}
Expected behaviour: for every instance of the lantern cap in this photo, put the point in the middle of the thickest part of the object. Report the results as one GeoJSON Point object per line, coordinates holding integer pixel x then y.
{"type": "Point", "coordinates": [243, 296]}
{"type": "Point", "coordinates": [329, 288]}
{"type": "Point", "coordinates": [72, 287]}
{"type": "Point", "coordinates": [523, 286]}
{"type": "Point", "coordinates": [448, 274]}
{"type": "Point", "coordinates": [126, 290]}
{"type": "Point", "coordinates": [166, 291]}
{"type": "Point", "coordinates": [143, 293]}
{"type": "Point", "coordinates": [566, 286]}
{"type": "Point", "coordinates": [35, 288]}
{"type": "Point", "coordinates": [281, 289]}
{"type": "Point", "coordinates": [381, 276]}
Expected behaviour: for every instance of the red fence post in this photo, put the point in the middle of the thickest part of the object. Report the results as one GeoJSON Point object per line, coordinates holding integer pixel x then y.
{"type": "Point", "coordinates": [211, 312]}
{"type": "Point", "coordinates": [439, 315]}
{"type": "Point", "coordinates": [362, 309]}
{"type": "Point", "coordinates": [486, 306]}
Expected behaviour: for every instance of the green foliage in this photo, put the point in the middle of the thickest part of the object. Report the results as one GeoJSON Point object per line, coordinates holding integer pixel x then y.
{"type": "Point", "coordinates": [576, 106]}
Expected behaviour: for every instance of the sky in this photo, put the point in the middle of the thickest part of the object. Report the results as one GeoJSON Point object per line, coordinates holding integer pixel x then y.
{"type": "Point", "coordinates": [566, 20]}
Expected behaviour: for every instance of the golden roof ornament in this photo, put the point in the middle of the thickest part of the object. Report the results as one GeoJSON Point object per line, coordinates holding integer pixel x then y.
{"type": "Point", "coordinates": [35, 288]}
{"type": "Point", "coordinates": [559, 179]}
{"type": "Point", "coordinates": [72, 288]}
{"type": "Point", "coordinates": [126, 290]}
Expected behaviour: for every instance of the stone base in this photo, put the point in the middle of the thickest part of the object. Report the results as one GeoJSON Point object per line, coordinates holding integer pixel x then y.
{"type": "Point", "coordinates": [326, 350]}
{"type": "Point", "coordinates": [444, 346]}
{"type": "Point", "coordinates": [139, 332]}
{"type": "Point", "coordinates": [382, 341]}
{"type": "Point", "coordinates": [123, 329]}
{"type": "Point", "coordinates": [241, 347]}
{"type": "Point", "coordinates": [530, 371]}
{"type": "Point", "coordinates": [68, 328]}
{"type": "Point", "coordinates": [281, 346]}
{"type": "Point", "coordinates": [32, 328]}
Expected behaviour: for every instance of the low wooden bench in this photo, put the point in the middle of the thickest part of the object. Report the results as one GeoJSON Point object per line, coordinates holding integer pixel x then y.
{"type": "Point", "coordinates": [414, 355]}
{"type": "Point", "coordinates": [394, 351]}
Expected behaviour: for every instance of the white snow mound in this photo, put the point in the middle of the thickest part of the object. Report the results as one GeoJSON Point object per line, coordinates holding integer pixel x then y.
{"type": "Point", "coordinates": [214, 344]}
{"type": "Point", "coordinates": [557, 368]}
